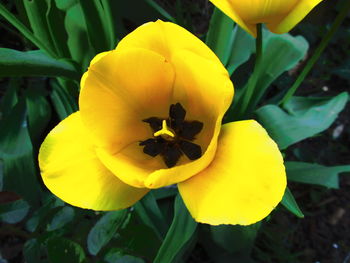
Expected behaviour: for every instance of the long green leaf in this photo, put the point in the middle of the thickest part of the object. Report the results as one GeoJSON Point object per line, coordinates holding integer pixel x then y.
{"type": "Point", "coordinates": [161, 10]}
{"type": "Point", "coordinates": [80, 49]}
{"type": "Point", "coordinates": [64, 250]}
{"type": "Point", "coordinates": [220, 35]}
{"type": "Point", "coordinates": [289, 202]}
{"type": "Point", "coordinates": [16, 152]}
{"type": "Point", "coordinates": [243, 46]}
{"type": "Point", "coordinates": [312, 173]}
{"type": "Point", "coordinates": [62, 101]}
{"type": "Point", "coordinates": [281, 53]}
{"type": "Point", "coordinates": [58, 34]}
{"type": "Point", "coordinates": [180, 232]}
{"type": "Point", "coordinates": [287, 129]}
{"type": "Point", "coordinates": [39, 111]}
{"type": "Point", "coordinates": [36, 12]}
{"type": "Point", "coordinates": [33, 63]}
{"type": "Point", "coordinates": [24, 30]}
{"type": "Point", "coordinates": [104, 230]}
{"type": "Point", "coordinates": [150, 214]}
{"type": "Point", "coordinates": [96, 30]}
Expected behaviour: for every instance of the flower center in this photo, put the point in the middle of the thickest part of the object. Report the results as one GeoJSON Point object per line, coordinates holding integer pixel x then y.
{"type": "Point", "coordinates": [172, 137]}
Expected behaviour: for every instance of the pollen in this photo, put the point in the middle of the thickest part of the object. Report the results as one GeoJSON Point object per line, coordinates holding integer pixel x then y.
{"type": "Point", "coordinates": [165, 131]}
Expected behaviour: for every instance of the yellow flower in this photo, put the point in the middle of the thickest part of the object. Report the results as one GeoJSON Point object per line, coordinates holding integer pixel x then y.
{"type": "Point", "coordinates": [150, 116]}
{"type": "Point", "coordinates": [280, 16]}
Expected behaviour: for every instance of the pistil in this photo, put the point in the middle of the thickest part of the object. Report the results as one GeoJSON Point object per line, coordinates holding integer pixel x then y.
{"type": "Point", "coordinates": [165, 131]}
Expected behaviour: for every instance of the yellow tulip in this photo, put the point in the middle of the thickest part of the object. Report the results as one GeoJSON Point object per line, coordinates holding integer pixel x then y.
{"type": "Point", "coordinates": [150, 116]}
{"type": "Point", "coordinates": [280, 16]}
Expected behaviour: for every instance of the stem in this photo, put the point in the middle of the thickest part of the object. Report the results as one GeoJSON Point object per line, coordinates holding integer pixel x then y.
{"type": "Point", "coordinates": [255, 76]}
{"type": "Point", "coordinates": [325, 41]}
{"type": "Point", "coordinates": [24, 30]}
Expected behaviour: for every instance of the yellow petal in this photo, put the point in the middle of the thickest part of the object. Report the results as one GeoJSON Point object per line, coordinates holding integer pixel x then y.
{"type": "Point", "coordinates": [245, 181]}
{"type": "Point", "coordinates": [227, 7]}
{"type": "Point", "coordinates": [166, 38]}
{"type": "Point", "coordinates": [71, 170]}
{"type": "Point", "coordinates": [204, 88]}
{"type": "Point", "coordinates": [119, 90]}
{"type": "Point", "coordinates": [297, 13]}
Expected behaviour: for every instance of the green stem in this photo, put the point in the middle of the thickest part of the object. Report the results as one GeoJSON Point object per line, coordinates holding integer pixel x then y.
{"type": "Point", "coordinates": [325, 41]}
{"type": "Point", "coordinates": [24, 30]}
{"type": "Point", "coordinates": [255, 76]}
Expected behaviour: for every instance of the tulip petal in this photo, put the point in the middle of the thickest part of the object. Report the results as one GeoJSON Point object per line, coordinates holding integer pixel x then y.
{"type": "Point", "coordinates": [71, 170]}
{"type": "Point", "coordinates": [121, 89]}
{"type": "Point", "coordinates": [205, 90]}
{"type": "Point", "coordinates": [227, 7]}
{"type": "Point", "coordinates": [166, 38]}
{"type": "Point", "coordinates": [287, 22]}
{"type": "Point", "coordinates": [245, 181]}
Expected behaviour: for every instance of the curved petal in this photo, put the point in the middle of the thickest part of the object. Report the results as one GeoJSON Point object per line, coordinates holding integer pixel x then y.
{"type": "Point", "coordinates": [227, 7]}
{"type": "Point", "coordinates": [287, 22]}
{"type": "Point", "coordinates": [71, 170]}
{"type": "Point", "coordinates": [119, 90]}
{"type": "Point", "coordinates": [245, 181]}
{"type": "Point", "coordinates": [205, 89]}
{"type": "Point", "coordinates": [166, 38]}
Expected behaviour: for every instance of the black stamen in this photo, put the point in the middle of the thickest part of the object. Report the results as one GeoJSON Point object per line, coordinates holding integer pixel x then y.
{"type": "Point", "coordinates": [172, 149]}
{"type": "Point", "coordinates": [190, 129]}
{"type": "Point", "coordinates": [155, 123]}
{"type": "Point", "coordinates": [177, 115]}
{"type": "Point", "coordinates": [191, 150]}
{"type": "Point", "coordinates": [171, 155]}
{"type": "Point", "coordinates": [153, 147]}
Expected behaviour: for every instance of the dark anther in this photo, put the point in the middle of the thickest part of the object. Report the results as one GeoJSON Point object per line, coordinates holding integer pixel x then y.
{"type": "Point", "coordinates": [171, 149]}
{"type": "Point", "coordinates": [191, 150]}
{"type": "Point", "coordinates": [177, 115]}
{"type": "Point", "coordinates": [153, 147]}
{"type": "Point", "coordinates": [171, 155]}
{"type": "Point", "coordinates": [155, 123]}
{"type": "Point", "coordinates": [190, 129]}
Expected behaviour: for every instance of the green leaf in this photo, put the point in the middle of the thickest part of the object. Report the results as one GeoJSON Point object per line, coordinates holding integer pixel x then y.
{"type": "Point", "coordinates": [31, 251]}
{"type": "Point", "coordinates": [160, 10]}
{"type": "Point", "coordinates": [33, 63]}
{"type": "Point", "coordinates": [114, 255]}
{"type": "Point", "coordinates": [312, 173]}
{"type": "Point", "coordinates": [80, 49]}
{"type": "Point", "coordinates": [16, 152]}
{"type": "Point", "coordinates": [220, 35]}
{"type": "Point", "coordinates": [235, 239]}
{"type": "Point", "coordinates": [65, 4]}
{"type": "Point", "coordinates": [97, 33]}
{"type": "Point", "coordinates": [281, 53]}
{"type": "Point", "coordinates": [10, 98]}
{"type": "Point", "coordinates": [180, 233]}
{"type": "Point", "coordinates": [289, 202]}
{"type": "Point", "coordinates": [24, 30]}
{"type": "Point", "coordinates": [14, 212]}
{"type": "Point", "coordinates": [58, 34]}
{"type": "Point", "coordinates": [61, 218]}
{"type": "Point", "coordinates": [64, 250]}
{"type": "Point", "coordinates": [39, 112]}
{"type": "Point", "coordinates": [150, 214]}
{"type": "Point", "coordinates": [104, 230]}
{"type": "Point", "coordinates": [287, 129]}
{"type": "Point", "coordinates": [243, 46]}
{"type": "Point", "coordinates": [109, 23]}
{"type": "Point", "coordinates": [63, 103]}
{"type": "Point", "coordinates": [41, 215]}
{"type": "Point", "coordinates": [36, 11]}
